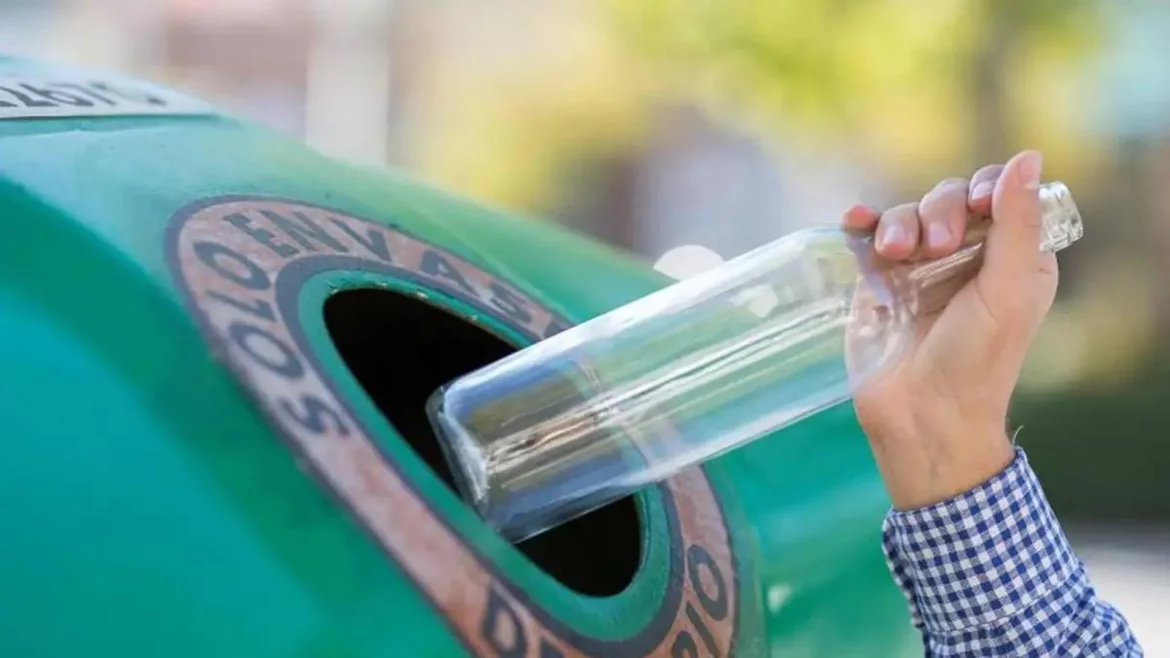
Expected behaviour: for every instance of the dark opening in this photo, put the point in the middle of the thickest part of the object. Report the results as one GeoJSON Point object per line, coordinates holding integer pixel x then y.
{"type": "Point", "coordinates": [401, 350]}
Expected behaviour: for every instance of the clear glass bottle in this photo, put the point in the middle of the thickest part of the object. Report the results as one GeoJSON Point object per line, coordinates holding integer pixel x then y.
{"type": "Point", "coordinates": [694, 370]}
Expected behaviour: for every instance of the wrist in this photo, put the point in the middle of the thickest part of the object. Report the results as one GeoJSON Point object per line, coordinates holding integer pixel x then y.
{"type": "Point", "coordinates": [923, 469]}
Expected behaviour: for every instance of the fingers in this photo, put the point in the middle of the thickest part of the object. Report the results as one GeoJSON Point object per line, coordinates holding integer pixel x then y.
{"type": "Point", "coordinates": [861, 218]}
{"type": "Point", "coordinates": [982, 187]}
{"type": "Point", "coordinates": [1013, 244]}
{"type": "Point", "coordinates": [898, 232]}
{"type": "Point", "coordinates": [932, 227]}
{"type": "Point", "coordinates": [943, 214]}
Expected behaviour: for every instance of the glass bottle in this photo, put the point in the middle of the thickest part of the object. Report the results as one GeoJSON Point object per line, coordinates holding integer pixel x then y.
{"type": "Point", "coordinates": [691, 371]}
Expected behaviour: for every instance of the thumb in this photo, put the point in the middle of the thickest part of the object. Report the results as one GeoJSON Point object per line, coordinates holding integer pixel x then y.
{"type": "Point", "coordinates": [1013, 263]}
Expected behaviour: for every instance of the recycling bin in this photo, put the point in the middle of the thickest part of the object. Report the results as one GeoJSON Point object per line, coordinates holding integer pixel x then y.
{"type": "Point", "coordinates": [216, 346]}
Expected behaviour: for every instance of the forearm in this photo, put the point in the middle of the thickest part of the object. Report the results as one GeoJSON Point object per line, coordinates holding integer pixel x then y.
{"type": "Point", "coordinates": [990, 573]}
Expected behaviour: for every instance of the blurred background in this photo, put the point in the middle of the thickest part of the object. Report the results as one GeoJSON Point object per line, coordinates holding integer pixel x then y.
{"type": "Point", "coordinates": [660, 124]}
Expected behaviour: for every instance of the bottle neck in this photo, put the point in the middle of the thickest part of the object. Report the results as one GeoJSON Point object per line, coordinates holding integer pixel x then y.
{"type": "Point", "coordinates": [931, 284]}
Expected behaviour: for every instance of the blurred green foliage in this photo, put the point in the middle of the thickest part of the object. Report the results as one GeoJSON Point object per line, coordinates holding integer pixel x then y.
{"type": "Point", "coordinates": [921, 85]}
{"type": "Point", "coordinates": [1103, 458]}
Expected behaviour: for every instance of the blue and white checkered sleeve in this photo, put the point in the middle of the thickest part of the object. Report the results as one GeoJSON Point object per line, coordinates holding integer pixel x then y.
{"type": "Point", "coordinates": [990, 573]}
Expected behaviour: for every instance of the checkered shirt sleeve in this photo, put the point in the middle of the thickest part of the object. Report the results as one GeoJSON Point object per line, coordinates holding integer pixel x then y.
{"type": "Point", "coordinates": [990, 573]}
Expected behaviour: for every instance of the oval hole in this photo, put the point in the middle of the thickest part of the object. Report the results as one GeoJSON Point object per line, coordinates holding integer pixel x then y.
{"type": "Point", "coordinates": [401, 349]}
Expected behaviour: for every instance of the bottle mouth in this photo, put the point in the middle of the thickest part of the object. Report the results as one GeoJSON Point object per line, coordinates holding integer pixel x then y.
{"type": "Point", "coordinates": [1061, 219]}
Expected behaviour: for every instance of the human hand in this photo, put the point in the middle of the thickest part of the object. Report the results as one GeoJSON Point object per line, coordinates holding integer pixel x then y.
{"type": "Point", "coordinates": [936, 418]}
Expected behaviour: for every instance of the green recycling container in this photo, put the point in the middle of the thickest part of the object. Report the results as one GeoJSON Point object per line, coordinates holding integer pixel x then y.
{"type": "Point", "coordinates": [215, 349]}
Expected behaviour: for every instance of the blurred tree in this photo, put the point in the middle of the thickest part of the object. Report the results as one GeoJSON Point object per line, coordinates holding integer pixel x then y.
{"type": "Point", "coordinates": [917, 88]}
{"type": "Point", "coordinates": [508, 95]}
{"type": "Point", "coordinates": [925, 87]}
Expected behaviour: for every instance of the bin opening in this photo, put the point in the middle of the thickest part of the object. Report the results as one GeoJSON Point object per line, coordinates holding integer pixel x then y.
{"type": "Point", "coordinates": [401, 349]}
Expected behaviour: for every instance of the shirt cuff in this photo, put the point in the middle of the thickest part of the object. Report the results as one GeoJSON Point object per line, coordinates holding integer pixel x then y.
{"type": "Point", "coordinates": [981, 557]}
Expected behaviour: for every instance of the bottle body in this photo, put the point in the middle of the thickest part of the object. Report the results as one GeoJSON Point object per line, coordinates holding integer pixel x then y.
{"type": "Point", "coordinates": [669, 380]}
{"type": "Point", "coordinates": [680, 376]}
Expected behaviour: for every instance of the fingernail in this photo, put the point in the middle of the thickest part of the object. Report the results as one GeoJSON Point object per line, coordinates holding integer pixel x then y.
{"type": "Point", "coordinates": [982, 190]}
{"type": "Point", "coordinates": [1028, 169]}
{"type": "Point", "coordinates": [938, 235]}
{"type": "Point", "coordinates": [861, 212]}
{"type": "Point", "coordinates": [892, 234]}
